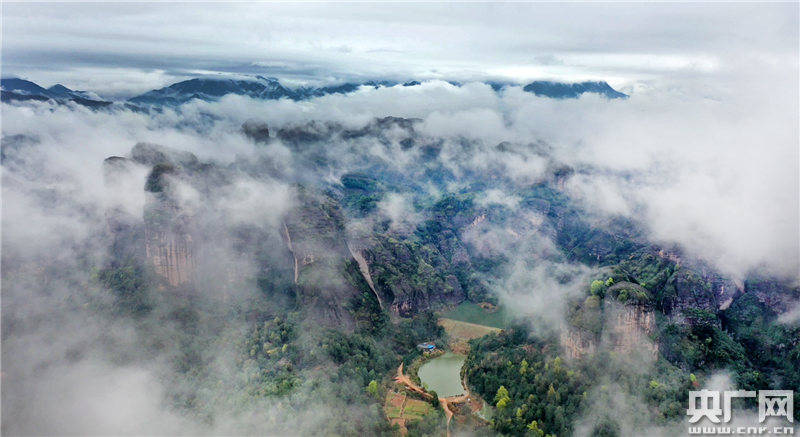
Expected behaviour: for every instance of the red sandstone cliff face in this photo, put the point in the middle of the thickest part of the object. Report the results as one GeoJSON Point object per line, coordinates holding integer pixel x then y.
{"type": "Point", "coordinates": [626, 329]}
{"type": "Point", "coordinates": [171, 255]}
{"type": "Point", "coordinates": [168, 240]}
{"type": "Point", "coordinates": [578, 343]}
{"type": "Point", "coordinates": [629, 328]}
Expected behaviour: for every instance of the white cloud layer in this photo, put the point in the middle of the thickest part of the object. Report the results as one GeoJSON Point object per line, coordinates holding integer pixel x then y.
{"type": "Point", "coordinates": [624, 43]}
{"type": "Point", "coordinates": [716, 173]}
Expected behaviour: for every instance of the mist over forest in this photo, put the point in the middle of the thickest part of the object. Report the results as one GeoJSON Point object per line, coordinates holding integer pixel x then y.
{"type": "Point", "coordinates": [198, 252]}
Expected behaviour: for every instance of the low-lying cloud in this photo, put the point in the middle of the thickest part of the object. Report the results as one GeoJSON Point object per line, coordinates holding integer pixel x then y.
{"type": "Point", "coordinates": [716, 174]}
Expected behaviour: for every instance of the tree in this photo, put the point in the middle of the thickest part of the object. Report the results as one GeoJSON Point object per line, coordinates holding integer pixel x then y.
{"type": "Point", "coordinates": [533, 427]}
{"type": "Point", "coordinates": [598, 288]}
{"type": "Point", "coordinates": [502, 392]}
{"type": "Point", "coordinates": [503, 403]}
{"type": "Point", "coordinates": [523, 367]}
{"type": "Point", "coordinates": [501, 398]}
{"type": "Point", "coordinates": [606, 428]}
{"type": "Point", "coordinates": [435, 400]}
{"type": "Point", "coordinates": [372, 388]}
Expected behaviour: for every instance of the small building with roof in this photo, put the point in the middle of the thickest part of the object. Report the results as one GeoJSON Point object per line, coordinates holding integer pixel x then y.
{"type": "Point", "coordinates": [426, 347]}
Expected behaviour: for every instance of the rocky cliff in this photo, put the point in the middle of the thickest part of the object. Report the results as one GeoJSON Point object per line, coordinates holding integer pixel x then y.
{"type": "Point", "coordinates": [171, 254]}
{"type": "Point", "coordinates": [623, 328]}
{"type": "Point", "coordinates": [161, 233]}
{"type": "Point", "coordinates": [363, 267]}
{"type": "Point", "coordinates": [780, 296]}
{"type": "Point", "coordinates": [675, 284]}
{"type": "Point", "coordinates": [411, 277]}
{"type": "Point", "coordinates": [628, 328]}
{"type": "Point", "coordinates": [167, 230]}
{"type": "Point", "coordinates": [314, 233]}
{"type": "Point", "coordinates": [578, 343]}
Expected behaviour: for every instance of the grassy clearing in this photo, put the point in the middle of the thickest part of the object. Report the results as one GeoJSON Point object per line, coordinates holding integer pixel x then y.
{"type": "Point", "coordinates": [458, 330]}
{"type": "Point", "coordinates": [472, 313]}
{"type": "Point", "coordinates": [461, 332]}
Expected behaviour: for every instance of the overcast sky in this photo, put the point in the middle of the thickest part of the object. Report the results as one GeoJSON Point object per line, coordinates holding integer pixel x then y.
{"type": "Point", "coordinates": [118, 49]}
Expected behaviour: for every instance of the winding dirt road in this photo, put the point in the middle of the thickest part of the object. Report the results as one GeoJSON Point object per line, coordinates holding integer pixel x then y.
{"type": "Point", "coordinates": [402, 378]}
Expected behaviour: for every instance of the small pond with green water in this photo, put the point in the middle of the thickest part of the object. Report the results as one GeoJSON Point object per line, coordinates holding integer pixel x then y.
{"type": "Point", "coordinates": [443, 375]}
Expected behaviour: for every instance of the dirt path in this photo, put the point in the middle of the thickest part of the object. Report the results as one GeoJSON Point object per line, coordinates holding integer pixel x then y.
{"type": "Point", "coordinates": [446, 403]}
{"type": "Point", "coordinates": [402, 422]}
{"type": "Point", "coordinates": [448, 414]}
{"type": "Point", "coordinates": [402, 378]}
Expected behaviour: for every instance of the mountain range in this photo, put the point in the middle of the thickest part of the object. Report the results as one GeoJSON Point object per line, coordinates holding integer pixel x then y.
{"type": "Point", "coordinates": [14, 89]}
{"type": "Point", "coordinates": [259, 87]}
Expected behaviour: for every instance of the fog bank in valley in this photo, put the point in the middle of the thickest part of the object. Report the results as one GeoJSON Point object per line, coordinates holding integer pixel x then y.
{"type": "Point", "coordinates": [712, 170]}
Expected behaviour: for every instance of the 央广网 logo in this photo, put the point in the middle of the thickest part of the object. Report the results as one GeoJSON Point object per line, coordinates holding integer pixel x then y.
{"type": "Point", "coordinates": [716, 407]}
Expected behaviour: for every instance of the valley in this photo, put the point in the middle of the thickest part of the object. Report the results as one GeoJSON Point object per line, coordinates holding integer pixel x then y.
{"type": "Point", "coordinates": [251, 264]}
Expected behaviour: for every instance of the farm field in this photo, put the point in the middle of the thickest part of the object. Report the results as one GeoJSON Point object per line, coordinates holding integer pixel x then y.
{"type": "Point", "coordinates": [473, 313]}
{"type": "Point", "coordinates": [457, 329]}
{"type": "Point", "coordinates": [401, 409]}
{"type": "Point", "coordinates": [462, 332]}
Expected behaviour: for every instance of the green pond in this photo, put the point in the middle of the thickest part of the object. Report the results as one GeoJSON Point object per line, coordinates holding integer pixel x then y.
{"type": "Point", "coordinates": [443, 375]}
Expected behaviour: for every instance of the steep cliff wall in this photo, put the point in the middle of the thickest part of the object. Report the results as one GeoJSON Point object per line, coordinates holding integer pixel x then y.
{"type": "Point", "coordinates": [628, 328]}
{"type": "Point", "coordinates": [780, 296]}
{"type": "Point", "coordinates": [363, 267]}
{"type": "Point", "coordinates": [314, 233]}
{"type": "Point", "coordinates": [411, 277]}
{"type": "Point", "coordinates": [171, 255]}
{"type": "Point", "coordinates": [578, 343]}
{"type": "Point", "coordinates": [622, 328]}
{"type": "Point", "coordinates": [168, 240]}
{"type": "Point", "coordinates": [675, 284]}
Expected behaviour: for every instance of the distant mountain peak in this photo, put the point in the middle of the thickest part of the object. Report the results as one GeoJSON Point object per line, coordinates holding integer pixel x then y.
{"type": "Point", "coordinates": [270, 88]}
{"type": "Point", "coordinates": [561, 90]}
{"type": "Point", "coordinates": [60, 91]}
{"type": "Point", "coordinates": [21, 90]}
{"type": "Point", "coordinates": [213, 88]}
{"type": "Point", "coordinates": [268, 79]}
{"type": "Point", "coordinates": [21, 86]}
{"type": "Point", "coordinates": [59, 87]}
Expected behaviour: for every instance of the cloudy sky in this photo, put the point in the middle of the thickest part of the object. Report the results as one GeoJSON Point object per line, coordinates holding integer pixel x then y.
{"type": "Point", "coordinates": [121, 49]}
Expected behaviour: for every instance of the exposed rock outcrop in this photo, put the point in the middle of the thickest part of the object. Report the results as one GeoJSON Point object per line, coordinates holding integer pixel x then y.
{"type": "Point", "coordinates": [780, 296]}
{"type": "Point", "coordinates": [578, 343]}
{"type": "Point", "coordinates": [168, 241]}
{"type": "Point", "coordinates": [258, 131]}
{"type": "Point", "coordinates": [628, 328]}
{"type": "Point", "coordinates": [314, 233]}
{"type": "Point", "coordinates": [678, 284]}
{"type": "Point", "coordinates": [171, 254]}
{"type": "Point", "coordinates": [363, 267]}
{"type": "Point", "coordinates": [153, 154]}
{"type": "Point", "coordinates": [410, 277]}
{"type": "Point", "coordinates": [621, 328]}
